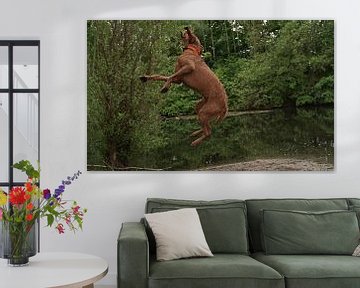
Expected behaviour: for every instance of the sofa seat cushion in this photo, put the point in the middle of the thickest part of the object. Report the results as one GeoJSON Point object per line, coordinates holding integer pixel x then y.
{"type": "Point", "coordinates": [222, 270]}
{"type": "Point", "coordinates": [313, 271]}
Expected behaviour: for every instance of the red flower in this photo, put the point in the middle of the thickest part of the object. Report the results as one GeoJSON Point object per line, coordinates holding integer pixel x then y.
{"type": "Point", "coordinates": [17, 196]}
{"type": "Point", "coordinates": [60, 228]}
{"type": "Point", "coordinates": [27, 196]}
{"type": "Point", "coordinates": [68, 219]}
{"type": "Point", "coordinates": [29, 217]}
{"type": "Point", "coordinates": [29, 186]}
{"type": "Point", "coordinates": [29, 206]}
{"type": "Point", "coordinates": [75, 209]}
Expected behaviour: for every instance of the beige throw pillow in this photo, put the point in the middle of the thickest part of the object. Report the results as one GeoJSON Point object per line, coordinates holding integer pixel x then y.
{"type": "Point", "coordinates": [178, 234]}
{"type": "Point", "coordinates": [357, 251]}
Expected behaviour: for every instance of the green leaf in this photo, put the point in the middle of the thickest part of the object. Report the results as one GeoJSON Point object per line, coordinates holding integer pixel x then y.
{"type": "Point", "coordinates": [52, 211]}
{"type": "Point", "coordinates": [50, 219]}
{"type": "Point", "coordinates": [26, 167]}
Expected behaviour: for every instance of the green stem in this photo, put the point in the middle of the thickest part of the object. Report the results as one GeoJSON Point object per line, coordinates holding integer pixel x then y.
{"type": "Point", "coordinates": [18, 238]}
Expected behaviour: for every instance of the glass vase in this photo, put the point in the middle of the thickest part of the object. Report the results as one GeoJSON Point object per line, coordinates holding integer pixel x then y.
{"type": "Point", "coordinates": [18, 242]}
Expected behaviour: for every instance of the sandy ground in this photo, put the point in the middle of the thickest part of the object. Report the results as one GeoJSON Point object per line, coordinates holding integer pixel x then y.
{"type": "Point", "coordinates": [273, 165]}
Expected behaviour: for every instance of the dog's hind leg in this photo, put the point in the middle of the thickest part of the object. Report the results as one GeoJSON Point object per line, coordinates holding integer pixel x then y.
{"type": "Point", "coordinates": [196, 133]}
{"type": "Point", "coordinates": [198, 107]}
{"type": "Point", "coordinates": [204, 119]}
{"type": "Point", "coordinates": [206, 134]}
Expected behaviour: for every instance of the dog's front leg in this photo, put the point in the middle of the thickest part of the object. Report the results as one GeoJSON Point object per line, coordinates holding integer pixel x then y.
{"type": "Point", "coordinates": [187, 68]}
{"type": "Point", "coordinates": [154, 78]}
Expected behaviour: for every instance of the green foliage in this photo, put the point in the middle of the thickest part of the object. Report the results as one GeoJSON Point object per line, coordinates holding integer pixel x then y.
{"type": "Point", "coordinates": [292, 66]}
{"type": "Point", "coordinates": [179, 101]}
{"type": "Point", "coordinates": [26, 167]}
{"type": "Point", "coordinates": [123, 114]}
{"type": "Point", "coordinates": [324, 90]}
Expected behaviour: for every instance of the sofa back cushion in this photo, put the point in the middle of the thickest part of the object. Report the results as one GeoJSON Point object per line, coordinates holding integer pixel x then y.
{"type": "Point", "coordinates": [298, 232]}
{"type": "Point", "coordinates": [353, 201]}
{"type": "Point", "coordinates": [223, 222]}
{"type": "Point", "coordinates": [255, 206]}
{"type": "Point", "coordinates": [354, 205]}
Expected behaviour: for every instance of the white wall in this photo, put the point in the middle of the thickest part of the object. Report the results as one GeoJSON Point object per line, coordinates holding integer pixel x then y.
{"type": "Point", "coordinates": [113, 198]}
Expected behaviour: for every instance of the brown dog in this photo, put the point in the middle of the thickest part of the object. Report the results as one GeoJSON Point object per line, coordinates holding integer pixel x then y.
{"type": "Point", "coordinates": [191, 70]}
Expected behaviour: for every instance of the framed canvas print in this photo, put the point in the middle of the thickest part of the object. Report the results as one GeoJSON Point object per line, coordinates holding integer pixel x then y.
{"type": "Point", "coordinates": [219, 95]}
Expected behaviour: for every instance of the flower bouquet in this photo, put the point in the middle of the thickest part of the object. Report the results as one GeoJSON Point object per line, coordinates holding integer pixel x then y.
{"type": "Point", "coordinates": [21, 208]}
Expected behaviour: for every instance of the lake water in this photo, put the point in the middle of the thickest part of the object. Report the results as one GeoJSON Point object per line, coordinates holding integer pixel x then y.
{"type": "Point", "coordinates": [306, 134]}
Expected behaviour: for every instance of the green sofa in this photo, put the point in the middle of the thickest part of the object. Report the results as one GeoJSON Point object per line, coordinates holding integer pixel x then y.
{"type": "Point", "coordinates": [260, 243]}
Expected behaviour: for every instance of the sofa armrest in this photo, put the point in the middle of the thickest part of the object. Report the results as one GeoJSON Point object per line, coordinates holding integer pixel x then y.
{"type": "Point", "coordinates": [133, 256]}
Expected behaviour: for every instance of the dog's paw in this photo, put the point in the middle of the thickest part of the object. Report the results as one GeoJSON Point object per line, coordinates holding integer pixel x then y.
{"type": "Point", "coordinates": [143, 78]}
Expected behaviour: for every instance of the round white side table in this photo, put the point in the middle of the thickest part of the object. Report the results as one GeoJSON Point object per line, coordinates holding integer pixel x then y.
{"type": "Point", "coordinates": [50, 270]}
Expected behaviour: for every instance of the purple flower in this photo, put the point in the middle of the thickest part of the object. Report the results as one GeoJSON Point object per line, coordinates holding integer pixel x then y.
{"type": "Point", "coordinates": [46, 194]}
{"type": "Point", "coordinates": [58, 192]}
{"type": "Point", "coordinates": [68, 181]}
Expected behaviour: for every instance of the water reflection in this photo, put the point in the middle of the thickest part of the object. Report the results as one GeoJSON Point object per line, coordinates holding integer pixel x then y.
{"type": "Point", "coordinates": [307, 134]}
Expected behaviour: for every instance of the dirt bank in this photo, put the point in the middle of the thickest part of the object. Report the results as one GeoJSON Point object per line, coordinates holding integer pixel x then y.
{"type": "Point", "coordinates": [273, 165]}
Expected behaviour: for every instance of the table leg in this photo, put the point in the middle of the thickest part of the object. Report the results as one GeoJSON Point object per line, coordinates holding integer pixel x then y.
{"type": "Point", "coordinates": [89, 286]}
